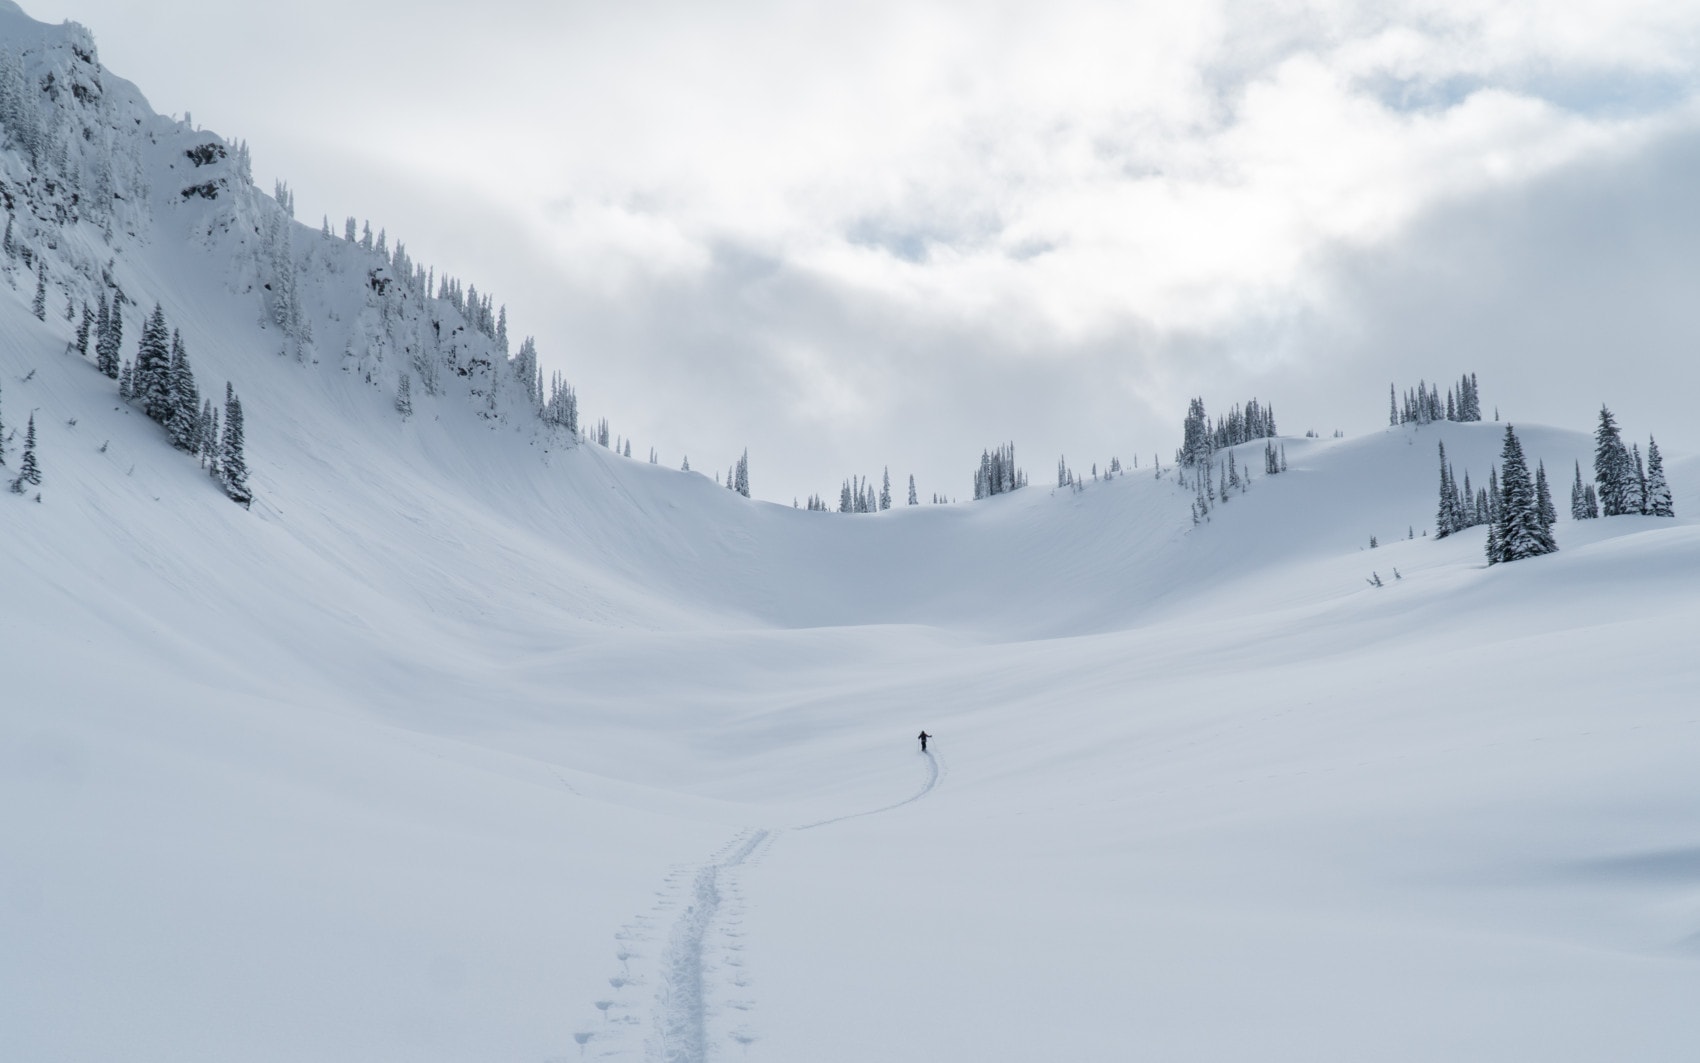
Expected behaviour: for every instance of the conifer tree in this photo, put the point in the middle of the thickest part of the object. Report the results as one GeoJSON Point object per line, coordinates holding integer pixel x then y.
{"type": "Point", "coordinates": [1658, 489]}
{"type": "Point", "coordinates": [207, 443]}
{"type": "Point", "coordinates": [741, 474]}
{"type": "Point", "coordinates": [1638, 485]}
{"type": "Point", "coordinates": [1543, 498]}
{"type": "Point", "coordinates": [109, 333]}
{"type": "Point", "coordinates": [83, 330]}
{"type": "Point", "coordinates": [404, 397]}
{"type": "Point", "coordinates": [1579, 498]}
{"type": "Point", "coordinates": [1519, 530]}
{"type": "Point", "coordinates": [1612, 467]}
{"type": "Point", "coordinates": [151, 384]}
{"type": "Point", "coordinates": [38, 305]}
{"type": "Point", "coordinates": [127, 382]}
{"type": "Point", "coordinates": [885, 490]}
{"type": "Point", "coordinates": [232, 461]}
{"type": "Point", "coordinates": [184, 420]}
{"type": "Point", "coordinates": [1446, 517]}
{"type": "Point", "coordinates": [28, 471]}
{"type": "Point", "coordinates": [914, 499]}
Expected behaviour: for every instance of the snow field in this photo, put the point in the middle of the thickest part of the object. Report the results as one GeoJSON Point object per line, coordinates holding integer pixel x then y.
{"type": "Point", "coordinates": [468, 744]}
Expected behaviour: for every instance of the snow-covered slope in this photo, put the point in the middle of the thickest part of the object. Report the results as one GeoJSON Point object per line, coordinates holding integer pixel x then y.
{"type": "Point", "coordinates": [468, 743]}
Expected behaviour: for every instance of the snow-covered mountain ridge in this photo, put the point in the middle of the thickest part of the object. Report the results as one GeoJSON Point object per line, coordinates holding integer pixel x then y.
{"type": "Point", "coordinates": [467, 743]}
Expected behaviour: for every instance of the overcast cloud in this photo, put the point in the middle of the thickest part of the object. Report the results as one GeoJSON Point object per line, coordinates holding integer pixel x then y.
{"type": "Point", "coordinates": [897, 233]}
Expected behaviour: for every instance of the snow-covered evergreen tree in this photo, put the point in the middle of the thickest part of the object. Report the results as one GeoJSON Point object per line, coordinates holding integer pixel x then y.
{"type": "Point", "coordinates": [206, 445]}
{"type": "Point", "coordinates": [740, 474]}
{"type": "Point", "coordinates": [885, 490]}
{"type": "Point", "coordinates": [1446, 518]}
{"type": "Point", "coordinates": [998, 473]}
{"type": "Point", "coordinates": [562, 408]}
{"type": "Point", "coordinates": [151, 383]}
{"type": "Point", "coordinates": [29, 472]}
{"type": "Point", "coordinates": [1582, 505]}
{"type": "Point", "coordinates": [914, 499]}
{"type": "Point", "coordinates": [1659, 502]}
{"type": "Point", "coordinates": [109, 336]}
{"type": "Point", "coordinates": [1637, 502]}
{"type": "Point", "coordinates": [183, 421]}
{"type": "Point", "coordinates": [1613, 469]}
{"type": "Point", "coordinates": [1543, 498]}
{"type": "Point", "coordinates": [1519, 530]}
{"type": "Point", "coordinates": [232, 459]}
{"type": "Point", "coordinates": [84, 329]}
{"type": "Point", "coordinates": [38, 305]}
{"type": "Point", "coordinates": [404, 396]}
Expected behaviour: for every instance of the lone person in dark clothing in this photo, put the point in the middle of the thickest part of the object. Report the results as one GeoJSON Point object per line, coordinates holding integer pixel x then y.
{"type": "Point", "coordinates": [924, 737]}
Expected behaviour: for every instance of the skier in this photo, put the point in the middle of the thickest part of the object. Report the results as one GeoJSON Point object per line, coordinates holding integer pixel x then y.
{"type": "Point", "coordinates": [924, 737]}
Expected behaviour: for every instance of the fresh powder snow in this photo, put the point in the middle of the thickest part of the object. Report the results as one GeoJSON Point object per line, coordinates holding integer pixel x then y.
{"type": "Point", "coordinates": [472, 740]}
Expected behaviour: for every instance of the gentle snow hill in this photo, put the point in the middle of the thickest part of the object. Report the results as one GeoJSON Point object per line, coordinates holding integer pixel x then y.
{"type": "Point", "coordinates": [467, 743]}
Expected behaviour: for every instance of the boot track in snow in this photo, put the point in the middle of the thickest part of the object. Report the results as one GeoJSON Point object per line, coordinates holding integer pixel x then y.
{"type": "Point", "coordinates": [688, 998]}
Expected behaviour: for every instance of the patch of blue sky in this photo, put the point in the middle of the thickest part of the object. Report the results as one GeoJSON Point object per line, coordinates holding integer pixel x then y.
{"type": "Point", "coordinates": [1604, 95]}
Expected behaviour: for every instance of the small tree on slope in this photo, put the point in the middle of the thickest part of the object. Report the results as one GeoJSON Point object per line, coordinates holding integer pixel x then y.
{"type": "Point", "coordinates": [107, 335]}
{"type": "Point", "coordinates": [1543, 498]}
{"type": "Point", "coordinates": [1583, 503]}
{"type": "Point", "coordinates": [1658, 489]}
{"type": "Point", "coordinates": [232, 462]}
{"type": "Point", "coordinates": [151, 383]}
{"type": "Point", "coordinates": [184, 420]}
{"type": "Point", "coordinates": [28, 471]}
{"type": "Point", "coordinates": [1614, 470]}
{"type": "Point", "coordinates": [38, 305]}
{"type": "Point", "coordinates": [1446, 519]}
{"type": "Point", "coordinates": [1518, 532]}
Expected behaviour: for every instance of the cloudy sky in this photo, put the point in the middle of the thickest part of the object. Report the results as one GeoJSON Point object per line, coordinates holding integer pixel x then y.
{"type": "Point", "coordinates": [857, 235]}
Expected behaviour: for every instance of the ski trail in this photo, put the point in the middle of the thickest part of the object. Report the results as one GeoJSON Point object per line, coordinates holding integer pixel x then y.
{"type": "Point", "coordinates": [669, 1003]}
{"type": "Point", "coordinates": [682, 998]}
{"type": "Point", "coordinates": [689, 1017]}
{"type": "Point", "coordinates": [934, 773]}
{"type": "Point", "coordinates": [682, 995]}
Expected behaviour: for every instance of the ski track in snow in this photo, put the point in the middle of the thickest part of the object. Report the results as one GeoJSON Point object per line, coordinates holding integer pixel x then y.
{"type": "Point", "coordinates": [687, 1019]}
{"type": "Point", "coordinates": [934, 774]}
